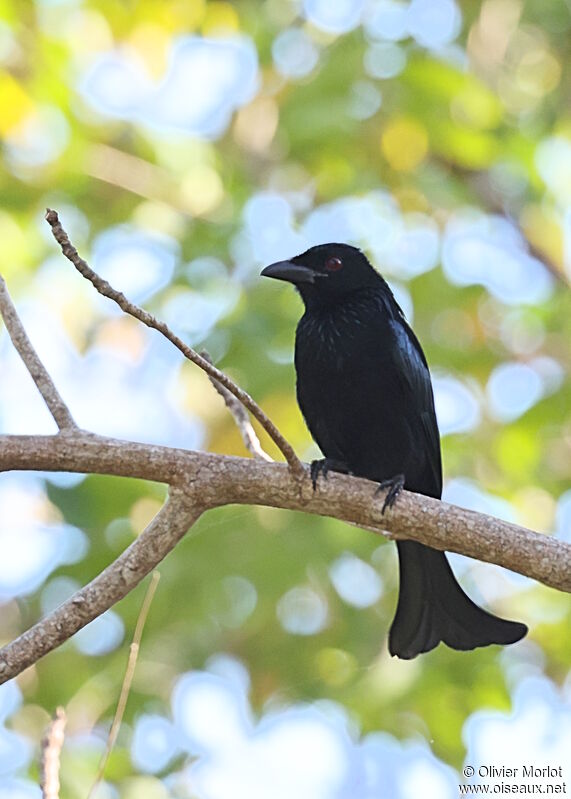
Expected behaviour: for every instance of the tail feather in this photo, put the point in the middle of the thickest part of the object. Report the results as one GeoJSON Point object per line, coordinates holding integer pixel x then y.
{"type": "Point", "coordinates": [432, 607]}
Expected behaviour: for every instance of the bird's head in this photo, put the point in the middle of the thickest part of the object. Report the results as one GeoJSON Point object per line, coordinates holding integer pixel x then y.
{"type": "Point", "coordinates": [326, 273]}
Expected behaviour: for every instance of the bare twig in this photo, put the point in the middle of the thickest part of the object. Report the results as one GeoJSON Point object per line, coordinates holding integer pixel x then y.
{"type": "Point", "coordinates": [149, 320]}
{"type": "Point", "coordinates": [116, 581]}
{"type": "Point", "coordinates": [240, 414]}
{"type": "Point", "coordinates": [35, 367]}
{"type": "Point", "coordinates": [127, 680]}
{"type": "Point", "coordinates": [50, 755]}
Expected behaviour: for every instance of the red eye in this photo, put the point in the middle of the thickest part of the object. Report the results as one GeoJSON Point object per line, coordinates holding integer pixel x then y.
{"type": "Point", "coordinates": [333, 264]}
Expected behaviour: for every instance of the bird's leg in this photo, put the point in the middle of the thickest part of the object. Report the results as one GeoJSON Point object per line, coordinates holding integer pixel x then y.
{"type": "Point", "coordinates": [395, 485]}
{"type": "Point", "coordinates": [325, 465]}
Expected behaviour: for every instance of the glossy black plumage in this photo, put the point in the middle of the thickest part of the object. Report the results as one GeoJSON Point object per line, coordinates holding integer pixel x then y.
{"type": "Point", "coordinates": [364, 389]}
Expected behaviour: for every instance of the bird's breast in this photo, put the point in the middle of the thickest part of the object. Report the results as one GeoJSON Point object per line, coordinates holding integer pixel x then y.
{"type": "Point", "coordinates": [332, 339]}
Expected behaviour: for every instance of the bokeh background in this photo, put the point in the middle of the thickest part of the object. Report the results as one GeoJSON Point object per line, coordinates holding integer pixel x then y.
{"type": "Point", "coordinates": [186, 144]}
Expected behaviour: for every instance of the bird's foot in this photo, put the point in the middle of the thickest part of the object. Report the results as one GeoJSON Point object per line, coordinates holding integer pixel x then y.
{"type": "Point", "coordinates": [324, 466]}
{"type": "Point", "coordinates": [394, 485]}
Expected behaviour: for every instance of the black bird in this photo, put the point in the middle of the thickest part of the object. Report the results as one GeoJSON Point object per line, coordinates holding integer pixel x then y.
{"type": "Point", "coordinates": [364, 389]}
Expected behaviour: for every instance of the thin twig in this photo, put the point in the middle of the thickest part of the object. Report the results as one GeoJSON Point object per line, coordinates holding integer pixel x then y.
{"type": "Point", "coordinates": [103, 287]}
{"type": "Point", "coordinates": [170, 524]}
{"type": "Point", "coordinates": [35, 367]}
{"type": "Point", "coordinates": [127, 680]}
{"type": "Point", "coordinates": [240, 414]}
{"type": "Point", "coordinates": [50, 755]}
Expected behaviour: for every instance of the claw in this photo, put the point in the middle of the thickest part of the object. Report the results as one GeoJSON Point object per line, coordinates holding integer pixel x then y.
{"type": "Point", "coordinates": [324, 466]}
{"type": "Point", "coordinates": [394, 485]}
{"type": "Point", "coordinates": [317, 467]}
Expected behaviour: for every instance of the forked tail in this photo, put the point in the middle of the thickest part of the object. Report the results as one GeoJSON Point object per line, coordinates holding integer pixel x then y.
{"type": "Point", "coordinates": [432, 607]}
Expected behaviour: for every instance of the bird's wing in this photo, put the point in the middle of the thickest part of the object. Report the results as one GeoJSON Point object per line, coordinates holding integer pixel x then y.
{"type": "Point", "coordinates": [414, 375]}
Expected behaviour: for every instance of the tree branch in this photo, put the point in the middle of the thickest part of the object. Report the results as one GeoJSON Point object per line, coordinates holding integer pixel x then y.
{"type": "Point", "coordinates": [35, 367]}
{"type": "Point", "coordinates": [167, 528]}
{"type": "Point", "coordinates": [222, 479]}
{"type": "Point", "coordinates": [50, 757]}
{"type": "Point", "coordinates": [149, 320]}
{"type": "Point", "coordinates": [240, 415]}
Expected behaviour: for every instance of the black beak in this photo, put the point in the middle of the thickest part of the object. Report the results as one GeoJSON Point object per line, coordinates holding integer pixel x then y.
{"type": "Point", "coordinates": [293, 273]}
